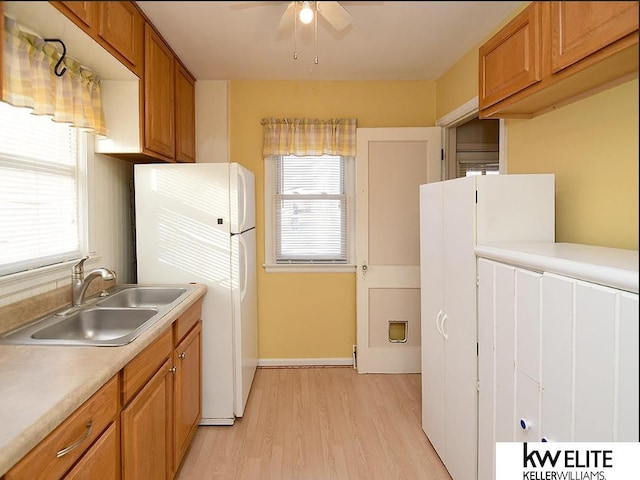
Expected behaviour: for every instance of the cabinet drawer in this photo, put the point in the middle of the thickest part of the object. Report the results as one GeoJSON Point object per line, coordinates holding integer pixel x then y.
{"type": "Point", "coordinates": [187, 320]}
{"type": "Point", "coordinates": [102, 461]}
{"type": "Point", "coordinates": [139, 370]}
{"type": "Point", "coordinates": [59, 451]}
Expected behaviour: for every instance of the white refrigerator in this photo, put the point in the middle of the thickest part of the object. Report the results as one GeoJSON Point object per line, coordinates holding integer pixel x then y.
{"type": "Point", "coordinates": [196, 223]}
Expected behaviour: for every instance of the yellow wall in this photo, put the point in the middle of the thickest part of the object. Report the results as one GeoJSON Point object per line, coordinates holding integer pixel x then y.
{"type": "Point", "coordinates": [592, 147]}
{"type": "Point", "coordinates": [312, 315]}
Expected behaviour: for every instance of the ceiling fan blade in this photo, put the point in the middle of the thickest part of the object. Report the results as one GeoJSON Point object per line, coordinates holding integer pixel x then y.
{"type": "Point", "coordinates": [286, 21]}
{"type": "Point", "coordinates": [335, 14]}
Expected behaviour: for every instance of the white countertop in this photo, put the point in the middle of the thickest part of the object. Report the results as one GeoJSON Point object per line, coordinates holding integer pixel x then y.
{"type": "Point", "coordinates": [40, 386]}
{"type": "Point", "coordinates": [612, 267]}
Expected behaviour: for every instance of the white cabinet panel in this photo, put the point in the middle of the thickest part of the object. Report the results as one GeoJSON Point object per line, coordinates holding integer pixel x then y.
{"type": "Point", "coordinates": [557, 358]}
{"type": "Point", "coordinates": [528, 323]}
{"type": "Point", "coordinates": [431, 293]}
{"type": "Point", "coordinates": [627, 376]}
{"type": "Point", "coordinates": [486, 369]}
{"type": "Point", "coordinates": [594, 363]}
{"type": "Point", "coordinates": [505, 352]}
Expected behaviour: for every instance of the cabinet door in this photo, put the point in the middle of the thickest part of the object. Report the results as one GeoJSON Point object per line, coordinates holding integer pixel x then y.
{"type": "Point", "coordinates": [486, 369]}
{"type": "Point", "coordinates": [511, 60]}
{"type": "Point", "coordinates": [146, 430]}
{"type": "Point", "coordinates": [122, 27]}
{"type": "Point", "coordinates": [579, 29]}
{"type": "Point", "coordinates": [628, 420]}
{"type": "Point", "coordinates": [187, 392]}
{"type": "Point", "coordinates": [84, 12]}
{"type": "Point", "coordinates": [159, 115]}
{"type": "Point", "coordinates": [557, 358]}
{"type": "Point", "coordinates": [595, 363]}
{"type": "Point", "coordinates": [185, 116]}
{"type": "Point", "coordinates": [431, 312]}
{"type": "Point", "coordinates": [102, 461]}
{"type": "Point", "coordinates": [459, 326]}
{"type": "Point", "coordinates": [505, 353]}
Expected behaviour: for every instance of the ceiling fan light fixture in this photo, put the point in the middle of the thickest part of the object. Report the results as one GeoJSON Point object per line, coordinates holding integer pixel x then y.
{"type": "Point", "coordinates": [306, 13]}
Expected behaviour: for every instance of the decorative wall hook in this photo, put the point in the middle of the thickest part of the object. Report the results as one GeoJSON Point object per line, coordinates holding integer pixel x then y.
{"type": "Point", "coordinates": [61, 59]}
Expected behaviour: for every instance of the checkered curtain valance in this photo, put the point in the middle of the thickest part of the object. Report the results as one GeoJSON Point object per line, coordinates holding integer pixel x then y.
{"type": "Point", "coordinates": [29, 81]}
{"type": "Point", "coordinates": [305, 137]}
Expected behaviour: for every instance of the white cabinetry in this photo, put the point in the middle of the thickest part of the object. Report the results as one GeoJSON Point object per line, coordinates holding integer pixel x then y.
{"type": "Point", "coordinates": [454, 216]}
{"type": "Point", "coordinates": [558, 355]}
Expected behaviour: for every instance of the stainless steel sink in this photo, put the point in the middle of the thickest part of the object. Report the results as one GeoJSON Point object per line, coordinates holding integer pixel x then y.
{"type": "Point", "coordinates": [97, 324]}
{"type": "Point", "coordinates": [143, 297]}
{"type": "Point", "coordinates": [115, 318]}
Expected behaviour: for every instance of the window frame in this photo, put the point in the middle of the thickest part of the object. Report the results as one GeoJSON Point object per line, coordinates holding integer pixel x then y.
{"type": "Point", "coordinates": [270, 233]}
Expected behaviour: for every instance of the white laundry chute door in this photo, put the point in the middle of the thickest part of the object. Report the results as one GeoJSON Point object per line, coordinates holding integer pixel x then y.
{"type": "Point", "coordinates": [391, 165]}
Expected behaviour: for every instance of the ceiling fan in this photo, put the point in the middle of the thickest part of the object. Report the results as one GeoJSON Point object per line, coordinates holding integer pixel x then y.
{"type": "Point", "coordinates": [305, 12]}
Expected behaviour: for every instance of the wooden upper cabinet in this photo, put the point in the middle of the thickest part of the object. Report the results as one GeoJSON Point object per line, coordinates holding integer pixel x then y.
{"type": "Point", "coordinates": [185, 115]}
{"type": "Point", "coordinates": [85, 12]}
{"type": "Point", "coordinates": [510, 61]}
{"type": "Point", "coordinates": [122, 27]}
{"type": "Point", "coordinates": [579, 29]}
{"type": "Point", "coordinates": [554, 53]}
{"type": "Point", "coordinates": [159, 96]}
{"type": "Point", "coordinates": [117, 26]}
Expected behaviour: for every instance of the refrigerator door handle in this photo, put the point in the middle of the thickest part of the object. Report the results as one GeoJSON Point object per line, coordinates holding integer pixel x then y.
{"type": "Point", "coordinates": [242, 220]}
{"type": "Point", "coordinates": [245, 274]}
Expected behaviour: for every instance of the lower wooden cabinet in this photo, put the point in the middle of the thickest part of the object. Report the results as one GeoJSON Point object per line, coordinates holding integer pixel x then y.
{"type": "Point", "coordinates": [102, 461]}
{"type": "Point", "coordinates": [187, 392]}
{"type": "Point", "coordinates": [59, 451]}
{"type": "Point", "coordinates": [146, 429]}
{"type": "Point", "coordinates": [139, 425]}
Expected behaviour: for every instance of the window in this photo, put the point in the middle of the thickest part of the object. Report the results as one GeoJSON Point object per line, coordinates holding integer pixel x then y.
{"type": "Point", "coordinates": [39, 208]}
{"type": "Point", "coordinates": [309, 214]}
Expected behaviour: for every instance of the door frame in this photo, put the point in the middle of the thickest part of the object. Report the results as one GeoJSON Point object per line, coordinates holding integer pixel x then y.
{"type": "Point", "coordinates": [365, 360]}
{"type": "Point", "coordinates": [459, 116]}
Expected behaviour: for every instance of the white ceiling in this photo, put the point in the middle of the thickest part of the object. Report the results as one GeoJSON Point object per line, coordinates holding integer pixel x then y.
{"type": "Point", "coordinates": [386, 40]}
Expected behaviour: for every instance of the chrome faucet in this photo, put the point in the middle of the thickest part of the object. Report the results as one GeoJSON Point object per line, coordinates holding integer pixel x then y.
{"type": "Point", "coordinates": [79, 282]}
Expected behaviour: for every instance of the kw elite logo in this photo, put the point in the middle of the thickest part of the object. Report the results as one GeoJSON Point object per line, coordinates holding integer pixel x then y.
{"type": "Point", "coordinates": [567, 461]}
{"type": "Point", "coordinates": [571, 463]}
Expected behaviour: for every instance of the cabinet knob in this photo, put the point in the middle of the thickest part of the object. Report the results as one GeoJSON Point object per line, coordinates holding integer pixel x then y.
{"type": "Point", "coordinates": [182, 356]}
{"type": "Point", "coordinates": [544, 439]}
{"type": "Point", "coordinates": [173, 369]}
{"type": "Point", "coordinates": [524, 424]}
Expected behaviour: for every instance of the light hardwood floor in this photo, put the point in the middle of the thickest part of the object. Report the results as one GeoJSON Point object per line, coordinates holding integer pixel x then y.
{"type": "Point", "coordinates": [317, 424]}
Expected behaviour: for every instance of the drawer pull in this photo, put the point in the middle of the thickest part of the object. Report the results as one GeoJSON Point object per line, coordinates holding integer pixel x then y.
{"type": "Point", "coordinates": [86, 434]}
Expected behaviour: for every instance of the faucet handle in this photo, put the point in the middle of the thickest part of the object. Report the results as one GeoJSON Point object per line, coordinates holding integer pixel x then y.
{"type": "Point", "coordinates": [78, 268]}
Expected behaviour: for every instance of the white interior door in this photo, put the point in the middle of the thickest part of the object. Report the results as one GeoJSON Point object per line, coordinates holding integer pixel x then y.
{"type": "Point", "coordinates": [392, 163]}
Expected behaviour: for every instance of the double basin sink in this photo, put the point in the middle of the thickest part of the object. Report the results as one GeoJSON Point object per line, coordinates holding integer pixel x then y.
{"type": "Point", "coordinates": [115, 319]}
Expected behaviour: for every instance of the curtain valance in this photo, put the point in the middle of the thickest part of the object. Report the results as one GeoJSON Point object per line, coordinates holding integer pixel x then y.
{"type": "Point", "coordinates": [304, 136]}
{"type": "Point", "coordinates": [29, 81]}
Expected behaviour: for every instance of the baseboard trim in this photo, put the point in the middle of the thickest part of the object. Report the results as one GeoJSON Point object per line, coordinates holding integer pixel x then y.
{"type": "Point", "coordinates": [305, 362]}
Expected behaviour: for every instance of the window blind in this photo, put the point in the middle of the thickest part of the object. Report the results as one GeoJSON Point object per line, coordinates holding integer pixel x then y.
{"type": "Point", "coordinates": [38, 191]}
{"type": "Point", "coordinates": [311, 209]}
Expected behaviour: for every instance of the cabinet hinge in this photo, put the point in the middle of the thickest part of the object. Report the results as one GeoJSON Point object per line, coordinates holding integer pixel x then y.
{"type": "Point", "coordinates": [476, 196]}
{"type": "Point", "coordinates": [478, 385]}
{"type": "Point", "coordinates": [477, 280]}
